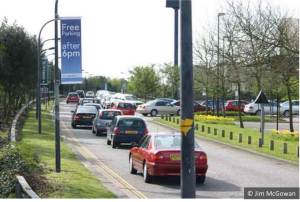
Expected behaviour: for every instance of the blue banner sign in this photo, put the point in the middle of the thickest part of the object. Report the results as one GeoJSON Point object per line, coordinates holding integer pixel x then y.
{"type": "Point", "coordinates": [71, 51]}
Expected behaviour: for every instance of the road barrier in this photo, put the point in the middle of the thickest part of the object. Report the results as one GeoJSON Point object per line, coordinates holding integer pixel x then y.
{"type": "Point", "coordinates": [23, 190]}
{"type": "Point", "coordinates": [250, 140]}
{"type": "Point", "coordinates": [13, 130]}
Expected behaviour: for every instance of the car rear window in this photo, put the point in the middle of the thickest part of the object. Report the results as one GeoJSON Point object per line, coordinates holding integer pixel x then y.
{"type": "Point", "coordinates": [87, 110]}
{"type": "Point", "coordinates": [109, 115]}
{"type": "Point", "coordinates": [125, 106]}
{"type": "Point", "coordinates": [168, 142]}
{"type": "Point", "coordinates": [73, 94]}
{"type": "Point", "coordinates": [131, 123]}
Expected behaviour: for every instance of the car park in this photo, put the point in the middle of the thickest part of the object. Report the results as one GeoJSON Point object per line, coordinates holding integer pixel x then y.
{"type": "Point", "coordinates": [233, 105]}
{"type": "Point", "coordinates": [80, 93]}
{"type": "Point", "coordinates": [126, 129]}
{"type": "Point", "coordinates": [156, 107]}
{"type": "Point", "coordinates": [90, 94]}
{"type": "Point", "coordinates": [72, 98]}
{"type": "Point", "coordinates": [83, 116]}
{"type": "Point", "coordinates": [126, 107]}
{"type": "Point", "coordinates": [103, 120]}
{"type": "Point", "coordinates": [284, 108]}
{"type": "Point", "coordinates": [158, 154]}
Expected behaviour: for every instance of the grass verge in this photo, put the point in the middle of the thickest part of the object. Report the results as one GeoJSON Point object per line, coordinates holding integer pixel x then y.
{"type": "Point", "coordinates": [74, 180]}
{"type": "Point", "coordinates": [292, 144]}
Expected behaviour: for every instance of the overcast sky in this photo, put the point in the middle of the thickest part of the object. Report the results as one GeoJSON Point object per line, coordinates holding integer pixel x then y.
{"type": "Point", "coordinates": [119, 34]}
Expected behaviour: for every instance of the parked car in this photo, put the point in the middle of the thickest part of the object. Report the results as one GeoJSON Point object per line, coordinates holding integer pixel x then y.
{"type": "Point", "coordinates": [80, 93]}
{"type": "Point", "coordinates": [90, 94]}
{"type": "Point", "coordinates": [72, 98]}
{"type": "Point", "coordinates": [284, 108]}
{"type": "Point", "coordinates": [255, 109]}
{"type": "Point", "coordinates": [156, 107]}
{"type": "Point", "coordinates": [83, 116]}
{"type": "Point", "coordinates": [158, 154]}
{"type": "Point", "coordinates": [197, 107]}
{"type": "Point", "coordinates": [212, 104]}
{"type": "Point", "coordinates": [103, 120]}
{"type": "Point", "coordinates": [170, 100]}
{"type": "Point", "coordinates": [126, 107]}
{"type": "Point", "coordinates": [126, 129]}
{"type": "Point", "coordinates": [98, 106]}
{"type": "Point", "coordinates": [232, 105]}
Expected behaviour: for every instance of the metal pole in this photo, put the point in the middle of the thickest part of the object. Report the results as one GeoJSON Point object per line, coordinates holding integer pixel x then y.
{"type": "Point", "coordinates": [56, 90]}
{"type": "Point", "coordinates": [218, 69]}
{"type": "Point", "coordinates": [262, 123]}
{"type": "Point", "coordinates": [188, 177]}
{"type": "Point", "coordinates": [38, 87]}
{"type": "Point", "coordinates": [176, 37]}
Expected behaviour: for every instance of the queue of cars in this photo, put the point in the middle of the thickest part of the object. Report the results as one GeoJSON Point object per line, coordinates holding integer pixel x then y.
{"type": "Point", "coordinates": [153, 154]}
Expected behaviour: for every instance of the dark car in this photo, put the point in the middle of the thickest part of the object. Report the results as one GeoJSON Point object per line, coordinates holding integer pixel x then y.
{"type": "Point", "coordinates": [98, 106]}
{"type": "Point", "coordinates": [103, 120]}
{"type": "Point", "coordinates": [72, 98]}
{"type": "Point", "coordinates": [158, 154]}
{"type": "Point", "coordinates": [80, 93]}
{"type": "Point", "coordinates": [83, 116]}
{"type": "Point", "coordinates": [197, 107]}
{"type": "Point", "coordinates": [212, 104]}
{"type": "Point", "coordinates": [126, 129]}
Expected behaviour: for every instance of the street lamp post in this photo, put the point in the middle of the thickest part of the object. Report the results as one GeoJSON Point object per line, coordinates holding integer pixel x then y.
{"type": "Point", "coordinates": [56, 90]}
{"type": "Point", "coordinates": [188, 177]}
{"type": "Point", "coordinates": [218, 63]}
{"type": "Point", "coordinates": [38, 87]}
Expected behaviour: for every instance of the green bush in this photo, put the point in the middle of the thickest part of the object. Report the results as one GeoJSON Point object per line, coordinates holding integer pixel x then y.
{"type": "Point", "coordinates": [11, 163]}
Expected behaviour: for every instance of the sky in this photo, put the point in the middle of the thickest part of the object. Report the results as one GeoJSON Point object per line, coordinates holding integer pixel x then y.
{"type": "Point", "coordinates": [118, 35]}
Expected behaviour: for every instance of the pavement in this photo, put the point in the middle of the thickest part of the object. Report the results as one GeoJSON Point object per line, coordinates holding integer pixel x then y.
{"type": "Point", "coordinates": [230, 169]}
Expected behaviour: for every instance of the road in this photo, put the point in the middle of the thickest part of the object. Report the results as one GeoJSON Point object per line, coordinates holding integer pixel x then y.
{"type": "Point", "coordinates": [230, 170]}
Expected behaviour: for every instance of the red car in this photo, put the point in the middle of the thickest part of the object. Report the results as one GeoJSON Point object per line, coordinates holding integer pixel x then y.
{"type": "Point", "coordinates": [232, 105]}
{"type": "Point", "coordinates": [126, 108]}
{"type": "Point", "coordinates": [158, 154]}
{"type": "Point", "coordinates": [72, 97]}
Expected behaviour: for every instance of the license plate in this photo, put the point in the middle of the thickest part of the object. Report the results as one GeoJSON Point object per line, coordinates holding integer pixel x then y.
{"type": "Point", "coordinates": [131, 132]}
{"type": "Point", "coordinates": [175, 157]}
{"type": "Point", "coordinates": [86, 117]}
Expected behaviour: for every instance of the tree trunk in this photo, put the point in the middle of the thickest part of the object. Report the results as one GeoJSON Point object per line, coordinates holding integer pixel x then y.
{"type": "Point", "coordinates": [290, 107]}
{"type": "Point", "coordinates": [277, 111]}
{"type": "Point", "coordinates": [239, 105]}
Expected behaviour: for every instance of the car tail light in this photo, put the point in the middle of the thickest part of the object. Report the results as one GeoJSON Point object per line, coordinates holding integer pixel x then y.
{"type": "Point", "coordinates": [117, 131]}
{"type": "Point", "coordinates": [202, 158]}
{"type": "Point", "coordinates": [77, 117]}
{"type": "Point", "coordinates": [156, 157]}
{"type": "Point", "coordinates": [146, 131]}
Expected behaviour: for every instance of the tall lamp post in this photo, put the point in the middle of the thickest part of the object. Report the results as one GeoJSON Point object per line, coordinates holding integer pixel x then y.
{"type": "Point", "coordinates": [175, 5]}
{"type": "Point", "coordinates": [188, 182]}
{"type": "Point", "coordinates": [39, 72]}
{"type": "Point", "coordinates": [218, 64]}
{"type": "Point", "coordinates": [56, 89]}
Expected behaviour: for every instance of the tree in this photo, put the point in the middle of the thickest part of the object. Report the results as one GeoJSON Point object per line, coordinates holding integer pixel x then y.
{"type": "Point", "coordinates": [172, 79]}
{"type": "Point", "coordinates": [144, 82]}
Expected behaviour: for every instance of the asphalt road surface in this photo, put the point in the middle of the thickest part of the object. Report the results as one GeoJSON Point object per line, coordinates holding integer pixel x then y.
{"type": "Point", "coordinates": [229, 171]}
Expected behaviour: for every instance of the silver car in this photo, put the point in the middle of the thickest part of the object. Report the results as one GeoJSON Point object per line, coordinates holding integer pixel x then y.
{"type": "Point", "coordinates": [255, 109]}
{"type": "Point", "coordinates": [284, 108]}
{"type": "Point", "coordinates": [156, 107]}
